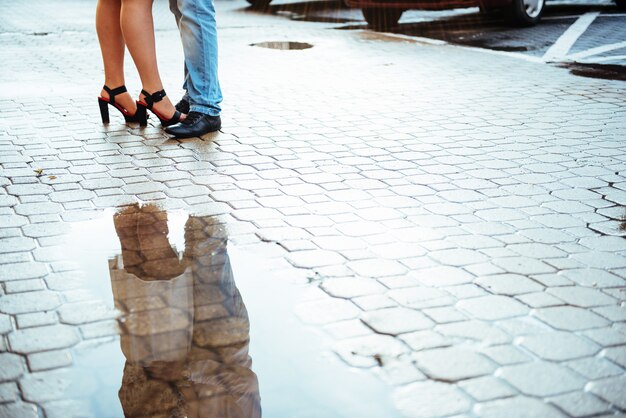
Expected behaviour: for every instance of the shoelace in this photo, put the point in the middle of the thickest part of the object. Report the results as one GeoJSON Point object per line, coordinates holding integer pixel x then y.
{"type": "Point", "coordinates": [192, 118]}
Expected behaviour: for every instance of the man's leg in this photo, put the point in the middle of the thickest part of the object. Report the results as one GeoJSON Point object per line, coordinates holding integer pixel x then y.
{"type": "Point", "coordinates": [198, 30]}
{"type": "Point", "coordinates": [177, 16]}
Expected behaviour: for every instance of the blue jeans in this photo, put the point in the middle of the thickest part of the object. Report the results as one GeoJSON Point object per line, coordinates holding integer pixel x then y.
{"type": "Point", "coordinates": [198, 31]}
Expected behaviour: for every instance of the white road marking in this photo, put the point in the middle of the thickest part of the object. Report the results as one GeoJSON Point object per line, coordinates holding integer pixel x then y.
{"type": "Point", "coordinates": [561, 47]}
{"type": "Point", "coordinates": [564, 17]}
{"type": "Point", "coordinates": [603, 59]}
{"type": "Point", "coordinates": [437, 42]}
{"type": "Point", "coordinates": [596, 51]}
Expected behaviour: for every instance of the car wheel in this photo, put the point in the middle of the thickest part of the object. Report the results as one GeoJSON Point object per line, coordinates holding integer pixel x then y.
{"type": "Point", "coordinates": [527, 12]}
{"type": "Point", "coordinates": [382, 18]}
{"type": "Point", "coordinates": [259, 4]}
{"type": "Point", "coordinates": [621, 4]}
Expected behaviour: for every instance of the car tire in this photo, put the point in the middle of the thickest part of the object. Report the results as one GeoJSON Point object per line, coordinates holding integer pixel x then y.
{"type": "Point", "coordinates": [527, 12]}
{"type": "Point", "coordinates": [380, 18]}
{"type": "Point", "coordinates": [259, 4]}
{"type": "Point", "coordinates": [621, 4]}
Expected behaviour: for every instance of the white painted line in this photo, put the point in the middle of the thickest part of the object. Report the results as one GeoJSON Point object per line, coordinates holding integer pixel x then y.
{"type": "Point", "coordinates": [438, 42]}
{"type": "Point", "coordinates": [575, 16]}
{"type": "Point", "coordinates": [603, 59]}
{"type": "Point", "coordinates": [596, 51]}
{"type": "Point", "coordinates": [561, 47]}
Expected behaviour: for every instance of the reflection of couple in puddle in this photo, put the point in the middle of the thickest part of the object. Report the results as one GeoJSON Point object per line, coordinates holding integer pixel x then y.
{"type": "Point", "coordinates": [185, 329]}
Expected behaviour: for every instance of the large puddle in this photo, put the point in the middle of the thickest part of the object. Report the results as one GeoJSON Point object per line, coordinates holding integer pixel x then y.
{"type": "Point", "coordinates": [203, 330]}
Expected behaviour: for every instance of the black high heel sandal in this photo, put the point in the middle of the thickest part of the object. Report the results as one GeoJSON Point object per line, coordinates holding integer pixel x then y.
{"type": "Point", "coordinates": [104, 105]}
{"type": "Point", "coordinates": [149, 101]}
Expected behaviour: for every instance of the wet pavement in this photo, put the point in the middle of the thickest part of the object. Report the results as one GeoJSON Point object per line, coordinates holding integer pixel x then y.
{"type": "Point", "coordinates": [600, 47]}
{"type": "Point", "coordinates": [384, 227]}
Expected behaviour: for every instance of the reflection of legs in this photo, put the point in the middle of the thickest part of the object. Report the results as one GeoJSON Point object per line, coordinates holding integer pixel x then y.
{"type": "Point", "coordinates": [146, 251]}
{"type": "Point", "coordinates": [138, 27]}
{"type": "Point", "coordinates": [221, 329]}
{"type": "Point", "coordinates": [112, 48]}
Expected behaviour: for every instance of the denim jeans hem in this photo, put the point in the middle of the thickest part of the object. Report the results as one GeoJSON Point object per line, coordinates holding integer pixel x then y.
{"type": "Point", "coordinates": [207, 110]}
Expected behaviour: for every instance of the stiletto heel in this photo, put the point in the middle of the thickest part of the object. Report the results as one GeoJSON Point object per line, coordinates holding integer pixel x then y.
{"type": "Point", "coordinates": [104, 110]}
{"type": "Point", "coordinates": [141, 114]}
{"type": "Point", "coordinates": [150, 99]}
{"type": "Point", "coordinates": [103, 102]}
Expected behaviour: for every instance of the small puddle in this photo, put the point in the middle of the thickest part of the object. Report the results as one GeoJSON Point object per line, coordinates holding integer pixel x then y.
{"type": "Point", "coordinates": [283, 45]}
{"type": "Point", "coordinates": [602, 71]}
{"type": "Point", "coordinates": [203, 329]}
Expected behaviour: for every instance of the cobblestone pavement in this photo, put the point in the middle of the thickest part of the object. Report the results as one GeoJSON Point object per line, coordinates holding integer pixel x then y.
{"type": "Point", "coordinates": [459, 211]}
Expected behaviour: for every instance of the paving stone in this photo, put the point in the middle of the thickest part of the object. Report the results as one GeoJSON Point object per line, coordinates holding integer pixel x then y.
{"type": "Point", "coordinates": [68, 409]}
{"type": "Point", "coordinates": [611, 390]}
{"type": "Point", "coordinates": [18, 409]}
{"type": "Point", "coordinates": [400, 373]}
{"type": "Point", "coordinates": [422, 340]}
{"type": "Point", "coordinates": [430, 399]}
{"type": "Point", "coordinates": [373, 302]}
{"type": "Point", "coordinates": [570, 318]}
{"type": "Point", "coordinates": [36, 319]}
{"type": "Point", "coordinates": [539, 300]}
{"type": "Point", "coordinates": [559, 346]}
{"type": "Point", "coordinates": [616, 355]}
{"type": "Point", "coordinates": [594, 368]}
{"type": "Point", "coordinates": [492, 307]}
{"type": "Point", "coordinates": [376, 268]}
{"type": "Point", "coordinates": [582, 297]}
{"type": "Point", "coordinates": [9, 392]}
{"type": "Point", "coordinates": [506, 354]}
{"type": "Point", "coordinates": [326, 310]}
{"type": "Point", "coordinates": [453, 364]}
{"type": "Point", "coordinates": [445, 314]}
{"type": "Point", "coordinates": [16, 244]}
{"type": "Point", "coordinates": [509, 284]}
{"type": "Point", "coordinates": [396, 321]}
{"type": "Point", "coordinates": [517, 407]}
{"type": "Point", "coordinates": [22, 271]}
{"type": "Point", "coordinates": [38, 208]}
{"type": "Point", "coordinates": [594, 278]}
{"type": "Point", "coordinates": [523, 265]}
{"type": "Point", "coordinates": [32, 340]}
{"type": "Point", "coordinates": [580, 405]}
{"type": "Point", "coordinates": [474, 330]}
{"type": "Point", "coordinates": [613, 313]}
{"type": "Point", "coordinates": [421, 297]}
{"type": "Point", "coordinates": [5, 324]}
{"type": "Point", "coordinates": [315, 258]}
{"type": "Point", "coordinates": [49, 360]}
{"type": "Point", "coordinates": [84, 312]}
{"type": "Point", "coordinates": [20, 286]}
{"type": "Point", "coordinates": [368, 351]}
{"type": "Point", "coordinates": [607, 336]}
{"type": "Point", "coordinates": [486, 388]}
{"type": "Point", "coordinates": [11, 366]}
{"type": "Point", "coordinates": [348, 329]}
{"type": "Point", "coordinates": [349, 287]}
{"type": "Point", "coordinates": [55, 385]}
{"type": "Point", "coordinates": [541, 378]}
{"type": "Point", "coordinates": [443, 276]}
{"type": "Point", "coordinates": [29, 302]}
{"type": "Point", "coordinates": [458, 257]}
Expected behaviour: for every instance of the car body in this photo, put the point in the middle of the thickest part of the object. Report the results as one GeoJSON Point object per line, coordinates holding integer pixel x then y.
{"type": "Point", "coordinates": [382, 14]}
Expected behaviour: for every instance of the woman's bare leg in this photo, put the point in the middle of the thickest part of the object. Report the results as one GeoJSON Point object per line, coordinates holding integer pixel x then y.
{"type": "Point", "coordinates": [138, 29]}
{"type": "Point", "coordinates": [112, 47]}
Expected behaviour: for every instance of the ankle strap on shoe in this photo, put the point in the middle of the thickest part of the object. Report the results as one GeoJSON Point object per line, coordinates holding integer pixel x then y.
{"type": "Point", "coordinates": [153, 98]}
{"type": "Point", "coordinates": [114, 92]}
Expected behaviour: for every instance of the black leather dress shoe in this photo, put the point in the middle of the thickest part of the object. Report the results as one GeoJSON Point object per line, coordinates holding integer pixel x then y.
{"type": "Point", "coordinates": [195, 124]}
{"type": "Point", "coordinates": [183, 106]}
